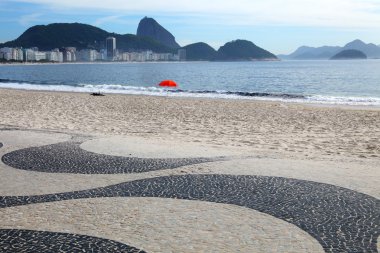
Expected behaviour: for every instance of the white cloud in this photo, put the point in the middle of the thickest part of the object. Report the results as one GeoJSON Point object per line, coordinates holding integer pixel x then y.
{"type": "Point", "coordinates": [27, 20]}
{"type": "Point", "coordinates": [108, 19]}
{"type": "Point", "coordinates": [323, 13]}
{"type": "Point", "coordinates": [213, 44]}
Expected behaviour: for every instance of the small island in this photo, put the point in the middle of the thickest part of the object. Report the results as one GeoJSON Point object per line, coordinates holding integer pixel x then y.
{"type": "Point", "coordinates": [243, 50]}
{"type": "Point", "coordinates": [349, 54]}
{"type": "Point", "coordinates": [200, 52]}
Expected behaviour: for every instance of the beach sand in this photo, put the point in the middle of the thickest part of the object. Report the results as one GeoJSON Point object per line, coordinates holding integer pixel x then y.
{"type": "Point", "coordinates": [334, 146]}
{"type": "Point", "coordinates": [291, 129]}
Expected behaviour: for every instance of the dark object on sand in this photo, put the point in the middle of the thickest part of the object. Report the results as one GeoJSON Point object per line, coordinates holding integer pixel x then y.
{"type": "Point", "coordinates": [97, 94]}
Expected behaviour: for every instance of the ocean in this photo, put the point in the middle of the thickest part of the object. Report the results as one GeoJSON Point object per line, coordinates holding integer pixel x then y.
{"type": "Point", "coordinates": [355, 82]}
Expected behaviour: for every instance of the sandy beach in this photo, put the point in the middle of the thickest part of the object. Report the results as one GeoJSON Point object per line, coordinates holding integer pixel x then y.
{"type": "Point", "coordinates": [311, 159]}
{"type": "Point", "coordinates": [291, 129]}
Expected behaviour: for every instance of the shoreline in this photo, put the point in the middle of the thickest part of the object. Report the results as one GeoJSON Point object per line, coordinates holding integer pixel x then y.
{"type": "Point", "coordinates": [281, 103]}
{"type": "Point", "coordinates": [262, 127]}
{"type": "Point", "coordinates": [79, 63]}
{"type": "Point", "coordinates": [200, 61]}
{"type": "Point", "coordinates": [63, 144]}
{"type": "Point", "coordinates": [201, 96]}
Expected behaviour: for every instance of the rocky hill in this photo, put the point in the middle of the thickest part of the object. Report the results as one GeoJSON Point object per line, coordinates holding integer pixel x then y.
{"type": "Point", "coordinates": [326, 52]}
{"type": "Point", "coordinates": [349, 54]}
{"type": "Point", "coordinates": [370, 49]}
{"type": "Point", "coordinates": [200, 52]}
{"type": "Point", "coordinates": [148, 27]}
{"type": "Point", "coordinates": [312, 53]}
{"type": "Point", "coordinates": [47, 37]}
{"type": "Point", "coordinates": [150, 36]}
{"type": "Point", "coordinates": [238, 50]}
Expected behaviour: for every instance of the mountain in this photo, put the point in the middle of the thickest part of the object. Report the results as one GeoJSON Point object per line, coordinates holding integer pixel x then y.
{"type": "Point", "coordinates": [306, 53]}
{"type": "Point", "coordinates": [59, 35]}
{"type": "Point", "coordinates": [349, 54]}
{"type": "Point", "coordinates": [243, 50]}
{"type": "Point", "coordinates": [200, 52]}
{"type": "Point", "coordinates": [148, 27]}
{"type": "Point", "coordinates": [131, 42]}
{"type": "Point", "coordinates": [371, 50]}
{"type": "Point", "coordinates": [326, 52]}
{"type": "Point", "coordinates": [47, 37]}
{"type": "Point", "coordinates": [82, 36]}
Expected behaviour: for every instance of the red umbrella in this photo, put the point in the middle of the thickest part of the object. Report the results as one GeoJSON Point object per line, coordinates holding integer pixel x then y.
{"type": "Point", "coordinates": [168, 83]}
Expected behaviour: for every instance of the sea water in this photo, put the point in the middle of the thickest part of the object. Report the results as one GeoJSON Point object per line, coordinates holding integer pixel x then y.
{"type": "Point", "coordinates": [351, 82]}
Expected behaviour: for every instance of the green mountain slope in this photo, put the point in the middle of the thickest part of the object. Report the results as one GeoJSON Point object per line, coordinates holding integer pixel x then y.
{"type": "Point", "coordinates": [149, 27]}
{"type": "Point", "coordinates": [243, 50]}
{"type": "Point", "coordinates": [349, 54]}
{"type": "Point", "coordinates": [81, 36]}
{"type": "Point", "coordinates": [200, 52]}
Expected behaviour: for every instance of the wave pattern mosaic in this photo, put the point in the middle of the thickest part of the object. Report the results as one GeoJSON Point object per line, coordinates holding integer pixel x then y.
{"type": "Point", "coordinates": [68, 157]}
{"type": "Point", "coordinates": [15, 240]}
{"type": "Point", "coordinates": [341, 220]}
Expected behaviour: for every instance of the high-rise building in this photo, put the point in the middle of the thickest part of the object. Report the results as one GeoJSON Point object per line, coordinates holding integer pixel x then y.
{"type": "Point", "coordinates": [28, 54]}
{"type": "Point", "coordinates": [54, 56]}
{"type": "Point", "coordinates": [39, 56]}
{"type": "Point", "coordinates": [7, 53]}
{"type": "Point", "coordinates": [111, 48]}
{"type": "Point", "coordinates": [69, 54]}
{"type": "Point", "coordinates": [88, 55]}
{"type": "Point", "coordinates": [182, 54]}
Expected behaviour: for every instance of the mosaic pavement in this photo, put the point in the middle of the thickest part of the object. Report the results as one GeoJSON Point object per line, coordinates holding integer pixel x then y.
{"type": "Point", "coordinates": [14, 240]}
{"type": "Point", "coordinates": [340, 219]}
{"type": "Point", "coordinates": [68, 157]}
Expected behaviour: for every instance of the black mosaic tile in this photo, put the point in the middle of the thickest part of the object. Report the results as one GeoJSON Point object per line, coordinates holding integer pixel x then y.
{"type": "Point", "coordinates": [14, 240]}
{"type": "Point", "coordinates": [68, 157]}
{"type": "Point", "coordinates": [341, 220]}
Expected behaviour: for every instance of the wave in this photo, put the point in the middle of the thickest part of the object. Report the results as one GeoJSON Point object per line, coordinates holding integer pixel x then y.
{"type": "Point", "coordinates": [158, 91]}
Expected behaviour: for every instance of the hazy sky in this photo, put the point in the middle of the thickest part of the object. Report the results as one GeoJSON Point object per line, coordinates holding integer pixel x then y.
{"type": "Point", "coordinates": [276, 25]}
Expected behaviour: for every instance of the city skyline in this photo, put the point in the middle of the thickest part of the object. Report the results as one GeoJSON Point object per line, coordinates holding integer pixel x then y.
{"type": "Point", "coordinates": [279, 26]}
{"type": "Point", "coordinates": [108, 53]}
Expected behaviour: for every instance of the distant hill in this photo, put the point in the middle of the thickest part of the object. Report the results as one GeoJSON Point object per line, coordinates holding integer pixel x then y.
{"type": "Point", "coordinates": [371, 50]}
{"type": "Point", "coordinates": [82, 36]}
{"type": "Point", "coordinates": [200, 52]}
{"type": "Point", "coordinates": [47, 37]}
{"type": "Point", "coordinates": [306, 53]}
{"type": "Point", "coordinates": [148, 27]}
{"type": "Point", "coordinates": [326, 52]}
{"type": "Point", "coordinates": [243, 50]}
{"type": "Point", "coordinates": [349, 54]}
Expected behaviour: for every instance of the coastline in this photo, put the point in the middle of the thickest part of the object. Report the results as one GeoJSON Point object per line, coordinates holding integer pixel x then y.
{"type": "Point", "coordinates": [134, 149]}
{"type": "Point", "coordinates": [254, 100]}
{"type": "Point", "coordinates": [79, 63]}
{"type": "Point", "coordinates": [292, 129]}
{"type": "Point", "coordinates": [313, 100]}
{"type": "Point", "coordinates": [306, 155]}
{"type": "Point", "coordinates": [159, 62]}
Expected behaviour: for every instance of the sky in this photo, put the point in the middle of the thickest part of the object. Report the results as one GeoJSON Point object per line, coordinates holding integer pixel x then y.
{"type": "Point", "coordinates": [280, 26]}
